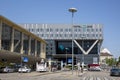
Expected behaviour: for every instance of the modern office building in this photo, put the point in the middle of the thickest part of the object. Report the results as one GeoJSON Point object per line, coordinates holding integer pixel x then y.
{"type": "Point", "coordinates": [19, 45]}
{"type": "Point", "coordinates": [87, 41]}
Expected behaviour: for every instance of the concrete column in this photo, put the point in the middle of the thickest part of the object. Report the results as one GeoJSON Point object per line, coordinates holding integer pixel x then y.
{"type": "Point", "coordinates": [12, 41]}
{"type": "Point", "coordinates": [21, 38]}
{"type": "Point", "coordinates": [35, 47]}
{"type": "Point", "coordinates": [29, 47]}
{"type": "Point", "coordinates": [39, 49]}
{"type": "Point", "coordinates": [0, 34]}
{"type": "Point", "coordinates": [42, 53]}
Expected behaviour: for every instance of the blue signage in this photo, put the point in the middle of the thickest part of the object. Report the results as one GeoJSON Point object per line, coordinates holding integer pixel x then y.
{"type": "Point", "coordinates": [69, 60]}
{"type": "Point", "coordinates": [25, 59]}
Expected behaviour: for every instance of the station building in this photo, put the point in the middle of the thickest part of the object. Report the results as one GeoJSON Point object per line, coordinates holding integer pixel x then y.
{"type": "Point", "coordinates": [87, 38]}
{"type": "Point", "coordinates": [17, 43]}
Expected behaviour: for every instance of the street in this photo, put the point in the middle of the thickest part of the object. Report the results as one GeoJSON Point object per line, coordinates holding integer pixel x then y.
{"type": "Point", "coordinates": [98, 76]}
{"type": "Point", "coordinates": [61, 75]}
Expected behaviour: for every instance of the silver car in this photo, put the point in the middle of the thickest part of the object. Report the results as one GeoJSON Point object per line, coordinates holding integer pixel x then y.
{"type": "Point", "coordinates": [7, 69]}
{"type": "Point", "coordinates": [24, 69]}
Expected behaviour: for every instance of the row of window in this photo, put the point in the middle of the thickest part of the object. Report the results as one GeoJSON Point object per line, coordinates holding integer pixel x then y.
{"type": "Point", "coordinates": [69, 35]}
{"type": "Point", "coordinates": [64, 30]}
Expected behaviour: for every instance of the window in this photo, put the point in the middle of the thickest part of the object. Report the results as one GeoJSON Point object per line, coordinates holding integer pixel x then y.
{"type": "Point", "coordinates": [96, 35]}
{"type": "Point", "coordinates": [88, 30]}
{"type": "Point", "coordinates": [61, 30]}
{"type": "Point", "coordinates": [32, 30]}
{"type": "Point", "coordinates": [75, 35]}
{"type": "Point", "coordinates": [66, 30]}
{"type": "Point", "coordinates": [42, 35]}
{"type": "Point", "coordinates": [70, 30]}
{"type": "Point", "coordinates": [75, 30]}
{"type": "Point", "coordinates": [70, 35]}
{"type": "Point", "coordinates": [65, 35]}
{"type": "Point", "coordinates": [51, 30]}
{"type": "Point", "coordinates": [60, 35]}
{"type": "Point", "coordinates": [96, 30]}
{"type": "Point", "coordinates": [57, 30]}
{"type": "Point", "coordinates": [79, 29]}
{"type": "Point", "coordinates": [47, 30]}
{"type": "Point", "coordinates": [51, 35]}
{"type": "Point", "coordinates": [41, 30]}
{"type": "Point", "coordinates": [56, 35]}
{"type": "Point", "coordinates": [93, 35]}
{"type": "Point", "coordinates": [89, 26]}
{"type": "Point", "coordinates": [87, 35]}
{"type": "Point", "coordinates": [92, 30]}
{"type": "Point", "coordinates": [100, 30]}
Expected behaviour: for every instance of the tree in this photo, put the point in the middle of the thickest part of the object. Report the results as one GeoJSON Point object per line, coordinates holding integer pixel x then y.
{"type": "Point", "coordinates": [111, 61]}
{"type": "Point", "coordinates": [119, 59]}
{"type": "Point", "coordinates": [118, 62]}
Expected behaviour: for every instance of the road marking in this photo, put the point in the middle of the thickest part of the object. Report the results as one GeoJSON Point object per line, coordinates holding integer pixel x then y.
{"type": "Point", "coordinates": [98, 78]}
{"type": "Point", "coordinates": [105, 78]}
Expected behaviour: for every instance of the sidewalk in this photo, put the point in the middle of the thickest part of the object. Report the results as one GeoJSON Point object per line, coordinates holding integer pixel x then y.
{"type": "Point", "coordinates": [35, 73]}
{"type": "Point", "coordinates": [67, 73]}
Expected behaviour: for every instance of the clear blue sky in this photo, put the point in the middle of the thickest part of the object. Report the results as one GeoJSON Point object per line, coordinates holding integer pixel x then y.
{"type": "Point", "coordinates": [106, 12]}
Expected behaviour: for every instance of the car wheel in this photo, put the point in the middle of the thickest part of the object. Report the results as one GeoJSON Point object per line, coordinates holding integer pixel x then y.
{"type": "Point", "coordinates": [8, 71]}
{"type": "Point", "coordinates": [27, 71]}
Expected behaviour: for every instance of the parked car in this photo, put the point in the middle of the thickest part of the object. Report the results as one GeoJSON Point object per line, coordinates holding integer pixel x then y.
{"type": "Point", "coordinates": [24, 69]}
{"type": "Point", "coordinates": [95, 69]}
{"type": "Point", "coordinates": [7, 69]}
{"type": "Point", "coordinates": [115, 72]}
{"type": "Point", "coordinates": [85, 69]}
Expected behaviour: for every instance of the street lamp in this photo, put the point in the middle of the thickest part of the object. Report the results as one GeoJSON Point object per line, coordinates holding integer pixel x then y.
{"type": "Point", "coordinates": [83, 36]}
{"type": "Point", "coordinates": [66, 55]}
{"type": "Point", "coordinates": [72, 10]}
{"type": "Point", "coordinates": [83, 53]}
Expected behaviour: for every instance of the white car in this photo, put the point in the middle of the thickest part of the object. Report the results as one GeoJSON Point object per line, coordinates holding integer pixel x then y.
{"type": "Point", "coordinates": [6, 69]}
{"type": "Point", "coordinates": [24, 69]}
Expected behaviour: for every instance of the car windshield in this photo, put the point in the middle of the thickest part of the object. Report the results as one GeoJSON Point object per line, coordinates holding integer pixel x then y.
{"type": "Point", "coordinates": [115, 70]}
{"type": "Point", "coordinates": [24, 67]}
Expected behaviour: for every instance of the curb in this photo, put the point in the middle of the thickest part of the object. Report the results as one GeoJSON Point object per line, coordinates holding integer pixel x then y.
{"type": "Point", "coordinates": [45, 73]}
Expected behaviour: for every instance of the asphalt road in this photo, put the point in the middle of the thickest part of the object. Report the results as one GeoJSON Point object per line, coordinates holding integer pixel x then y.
{"type": "Point", "coordinates": [98, 76]}
{"type": "Point", "coordinates": [64, 75]}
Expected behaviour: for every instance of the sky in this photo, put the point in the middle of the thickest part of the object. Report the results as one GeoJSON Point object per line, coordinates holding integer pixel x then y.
{"type": "Point", "coordinates": [105, 12]}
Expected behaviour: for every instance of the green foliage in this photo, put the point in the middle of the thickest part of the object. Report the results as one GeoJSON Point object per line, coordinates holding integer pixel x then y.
{"type": "Point", "coordinates": [111, 61]}
{"type": "Point", "coordinates": [119, 59]}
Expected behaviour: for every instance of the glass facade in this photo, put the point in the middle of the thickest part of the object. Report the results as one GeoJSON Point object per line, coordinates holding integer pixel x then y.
{"type": "Point", "coordinates": [25, 44]}
{"type": "Point", "coordinates": [85, 44]}
{"type": "Point", "coordinates": [17, 41]}
{"type": "Point", "coordinates": [38, 48]}
{"type": "Point", "coordinates": [19, 37]}
{"type": "Point", "coordinates": [6, 36]}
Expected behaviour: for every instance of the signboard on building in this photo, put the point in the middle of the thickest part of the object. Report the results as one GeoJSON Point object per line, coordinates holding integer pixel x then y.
{"type": "Point", "coordinates": [25, 59]}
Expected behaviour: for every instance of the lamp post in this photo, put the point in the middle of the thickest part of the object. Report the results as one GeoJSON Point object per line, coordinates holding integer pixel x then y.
{"type": "Point", "coordinates": [72, 10]}
{"type": "Point", "coordinates": [82, 53]}
{"type": "Point", "coordinates": [66, 55]}
{"type": "Point", "coordinates": [83, 36]}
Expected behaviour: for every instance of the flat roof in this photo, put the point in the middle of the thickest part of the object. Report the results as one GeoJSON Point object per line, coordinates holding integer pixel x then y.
{"type": "Point", "coordinates": [19, 28]}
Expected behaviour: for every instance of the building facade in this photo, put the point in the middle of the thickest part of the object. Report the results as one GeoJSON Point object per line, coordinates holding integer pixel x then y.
{"type": "Point", "coordinates": [17, 43]}
{"type": "Point", "coordinates": [105, 54]}
{"type": "Point", "coordinates": [87, 41]}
